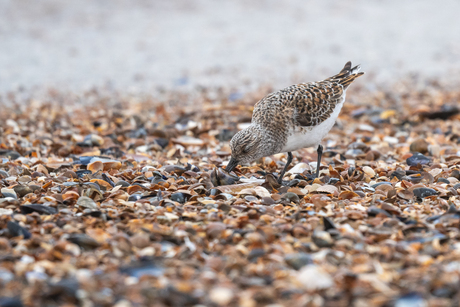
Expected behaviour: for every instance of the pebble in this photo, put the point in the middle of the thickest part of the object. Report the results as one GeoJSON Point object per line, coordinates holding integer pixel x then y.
{"type": "Point", "coordinates": [16, 230]}
{"type": "Point", "coordinates": [93, 140]}
{"type": "Point", "coordinates": [314, 278]}
{"type": "Point", "coordinates": [221, 296]}
{"type": "Point", "coordinates": [322, 238]}
{"type": "Point", "coordinates": [22, 190]}
{"type": "Point", "coordinates": [179, 197]}
{"type": "Point", "coordinates": [40, 209]}
{"type": "Point", "coordinates": [424, 192]}
{"type": "Point", "coordinates": [136, 208]}
{"type": "Point", "coordinates": [9, 193]}
{"type": "Point", "coordinates": [87, 202]}
{"type": "Point", "coordinates": [291, 197]}
{"type": "Point", "coordinates": [84, 241]}
{"type": "Point", "coordinates": [298, 260]}
{"type": "Point", "coordinates": [420, 146]}
{"type": "Point", "coordinates": [417, 158]}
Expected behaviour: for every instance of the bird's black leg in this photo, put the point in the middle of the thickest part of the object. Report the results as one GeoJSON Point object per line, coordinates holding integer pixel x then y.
{"type": "Point", "coordinates": [289, 160]}
{"type": "Point", "coordinates": [320, 153]}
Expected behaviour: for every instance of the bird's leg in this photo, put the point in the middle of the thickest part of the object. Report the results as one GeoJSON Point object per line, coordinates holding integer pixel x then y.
{"type": "Point", "coordinates": [318, 164]}
{"type": "Point", "coordinates": [289, 160]}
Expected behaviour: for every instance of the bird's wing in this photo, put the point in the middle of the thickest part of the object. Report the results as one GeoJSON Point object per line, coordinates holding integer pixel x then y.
{"type": "Point", "coordinates": [313, 103]}
{"type": "Point", "coordinates": [309, 103]}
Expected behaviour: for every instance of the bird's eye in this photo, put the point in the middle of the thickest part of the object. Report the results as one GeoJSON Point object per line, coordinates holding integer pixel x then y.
{"type": "Point", "coordinates": [245, 149]}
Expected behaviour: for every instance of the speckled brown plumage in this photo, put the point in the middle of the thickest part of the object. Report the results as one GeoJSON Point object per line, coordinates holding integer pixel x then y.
{"type": "Point", "coordinates": [306, 104]}
{"type": "Point", "coordinates": [295, 117]}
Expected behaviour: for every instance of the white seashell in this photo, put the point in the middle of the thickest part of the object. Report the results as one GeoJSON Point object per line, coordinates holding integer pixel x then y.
{"type": "Point", "coordinates": [330, 189]}
{"type": "Point", "coordinates": [369, 171]}
{"type": "Point", "coordinates": [299, 168]}
{"type": "Point", "coordinates": [435, 172]}
{"type": "Point", "coordinates": [262, 192]}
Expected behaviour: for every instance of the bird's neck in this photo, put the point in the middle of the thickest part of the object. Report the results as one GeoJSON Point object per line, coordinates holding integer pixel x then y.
{"type": "Point", "coordinates": [272, 138]}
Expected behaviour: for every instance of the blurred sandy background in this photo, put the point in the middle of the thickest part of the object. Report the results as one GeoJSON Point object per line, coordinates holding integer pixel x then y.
{"type": "Point", "coordinates": [139, 45]}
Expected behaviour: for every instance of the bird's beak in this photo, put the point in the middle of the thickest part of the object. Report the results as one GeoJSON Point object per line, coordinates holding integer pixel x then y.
{"type": "Point", "coordinates": [231, 165]}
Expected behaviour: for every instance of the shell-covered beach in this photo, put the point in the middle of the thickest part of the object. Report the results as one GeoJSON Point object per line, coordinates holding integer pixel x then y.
{"type": "Point", "coordinates": [111, 169]}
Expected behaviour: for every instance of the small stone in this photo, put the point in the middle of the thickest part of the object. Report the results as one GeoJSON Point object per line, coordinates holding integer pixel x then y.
{"type": "Point", "coordinates": [3, 174]}
{"type": "Point", "coordinates": [456, 174]}
{"type": "Point", "coordinates": [424, 192]}
{"type": "Point", "coordinates": [93, 140]}
{"type": "Point", "coordinates": [322, 238]}
{"type": "Point", "coordinates": [188, 141]}
{"type": "Point", "coordinates": [147, 252]}
{"type": "Point", "coordinates": [82, 173]}
{"type": "Point", "coordinates": [25, 179]}
{"type": "Point", "coordinates": [134, 197]}
{"type": "Point", "coordinates": [417, 158]}
{"type": "Point", "coordinates": [143, 268]}
{"type": "Point", "coordinates": [9, 193]}
{"type": "Point", "coordinates": [12, 155]}
{"type": "Point", "coordinates": [381, 183]}
{"type": "Point", "coordinates": [364, 127]}
{"type": "Point", "coordinates": [5, 277]}
{"type": "Point", "coordinates": [87, 202]}
{"type": "Point", "coordinates": [122, 183]}
{"type": "Point", "coordinates": [179, 197]}
{"type": "Point", "coordinates": [123, 303]}
{"type": "Point", "coordinates": [4, 211]}
{"type": "Point", "coordinates": [22, 190]}
{"type": "Point", "coordinates": [420, 145]}
{"type": "Point", "coordinates": [411, 300]}
{"type": "Point", "coordinates": [215, 229]}
{"type": "Point", "coordinates": [251, 198]}
{"type": "Point", "coordinates": [40, 209]}
{"type": "Point", "coordinates": [255, 253]}
{"type": "Point", "coordinates": [374, 211]}
{"type": "Point", "coordinates": [11, 302]}
{"type": "Point", "coordinates": [17, 230]}
{"type": "Point", "coordinates": [291, 197]}
{"type": "Point", "coordinates": [434, 150]}
{"type": "Point", "coordinates": [443, 180]}
{"type": "Point", "coordinates": [298, 260]}
{"type": "Point", "coordinates": [314, 278]}
{"type": "Point", "coordinates": [140, 240]}
{"type": "Point", "coordinates": [391, 140]}
{"type": "Point", "coordinates": [320, 201]}
{"type": "Point", "coordinates": [224, 196]}
{"type": "Point", "coordinates": [84, 241]}
{"type": "Point", "coordinates": [221, 296]}
{"type": "Point", "coordinates": [399, 174]}
{"type": "Point", "coordinates": [268, 201]}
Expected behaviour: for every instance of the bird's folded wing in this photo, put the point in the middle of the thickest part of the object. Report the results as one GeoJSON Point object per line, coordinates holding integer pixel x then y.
{"type": "Point", "coordinates": [313, 103]}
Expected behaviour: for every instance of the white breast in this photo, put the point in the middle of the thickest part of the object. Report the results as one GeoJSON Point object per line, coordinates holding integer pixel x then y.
{"type": "Point", "coordinates": [312, 136]}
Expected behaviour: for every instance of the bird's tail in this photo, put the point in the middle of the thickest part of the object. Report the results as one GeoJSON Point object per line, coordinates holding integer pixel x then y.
{"type": "Point", "coordinates": [347, 75]}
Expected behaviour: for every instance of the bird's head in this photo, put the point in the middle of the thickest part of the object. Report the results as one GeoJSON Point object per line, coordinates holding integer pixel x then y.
{"type": "Point", "coordinates": [246, 147]}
